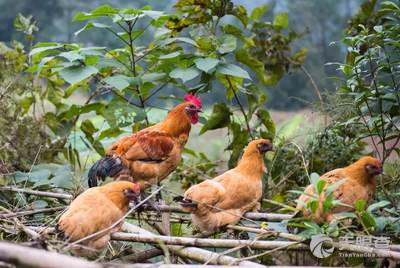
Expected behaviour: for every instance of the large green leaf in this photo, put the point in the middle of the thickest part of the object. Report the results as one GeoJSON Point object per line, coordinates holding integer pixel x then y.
{"type": "Point", "coordinates": [184, 74]}
{"type": "Point", "coordinates": [75, 74]}
{"type": "Point", "coordinates": [39, 49]}
{"type": "Point", "coordinates": [228, 44]}
{"type": "Point", "coordinates": [206, 64]}
{"type": "Point", "coordinates": [118, 81]}
{"type": "Point", "coordinates": [101, 11]}
{"type": "Point", "coordinates": [233, 70]}
{"type": "Point", "coordinates": [219, 118]}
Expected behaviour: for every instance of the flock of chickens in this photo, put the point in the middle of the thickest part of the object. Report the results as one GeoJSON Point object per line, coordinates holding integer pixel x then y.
{"type": "Point", "coordinates": [147, 157]}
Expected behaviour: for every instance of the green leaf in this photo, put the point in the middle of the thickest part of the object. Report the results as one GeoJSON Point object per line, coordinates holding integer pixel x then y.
{"type": "Point", "coordinates": [91, 25]}
{"type": "Point", "coordinates": [98, 147]}
{"type": "Point", "coordinates": [100, 11]}
{"type": "Point", "coordinates": [228, 44]}
{"type": "Point", "coordinates": [39, 204]}
{"type": "Point", "coordinates": [152, 77]}
{"type": "Point", "coordinates": [281, 20]}
{"type": "Point", "coordinates": [313, 205]}
{"type": "Point", "coordinates": [40, 174]}
{"type": "Point", "coordinates": [110, 133]}
{"type": "Point", "coordinates": [243, 56]}
{"type": "Point", "coordinates": [118, 81]}
{"type": "Point", "coordinates": [320, 186]}
{"type": "Point", "coordinates": [170, 55]}
{"type": "Point", "coordinates": [267, 121]}
{"type": "Point", "coordinates": [88, 127]}
{"type": "Point", "coordinates": [206, 64]}
{"type": "Point", "coordinates": [240, 12]}
{"type": "Point", "coordinates": [314, 177]}
{"type": "Point", "coordinates": [75, 74]}
{"type": "Point", "coordinates": [328, 203]}
{"type": "Point", "coordinates": [184, 74]}
{"type": "Point", "coordinates": [359, 205]}
{"type": "Point", "coordinates": [368, 220]}
{"type": "Point", "coordinates": [233, 70]}
{"type": "Point", "coordinates": [71, 55]}
{"type": "Point", "coordinates": [63, 180]}
{"type": "Point", "coordinates": [219, 118]}
{"type": "Point", "coordinates": [378, 205]}
{"type": "Point", "coordinates": [258, 12]}
{"type": "Point", "coordinates": [37, 50]}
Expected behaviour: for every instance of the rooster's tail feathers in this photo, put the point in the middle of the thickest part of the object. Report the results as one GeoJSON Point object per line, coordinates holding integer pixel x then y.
{"type": "Point", "coordinates": [108, 166]}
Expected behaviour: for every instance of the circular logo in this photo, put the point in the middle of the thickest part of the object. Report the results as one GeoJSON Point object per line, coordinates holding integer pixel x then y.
{"type": "Point", "coordinates": [318, 249]}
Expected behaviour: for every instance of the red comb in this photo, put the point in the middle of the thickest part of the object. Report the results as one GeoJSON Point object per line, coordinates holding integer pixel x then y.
{"type": "Point", "coordinates": [136, 188]}
{"type": "Point", "coordinates": [193, 99]}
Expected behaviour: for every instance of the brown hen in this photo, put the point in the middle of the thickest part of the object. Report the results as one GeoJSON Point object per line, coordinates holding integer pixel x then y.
{"type": "Point", "coordinates": [95, 210]}
{"type": "Point", "coordinates": [357, 182]}
{"type": "Point", "coordinates": [224, 199]}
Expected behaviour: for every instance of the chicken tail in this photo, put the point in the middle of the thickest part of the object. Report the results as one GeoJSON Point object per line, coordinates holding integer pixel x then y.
{"type": "Point", "coordinates": [108, 166]}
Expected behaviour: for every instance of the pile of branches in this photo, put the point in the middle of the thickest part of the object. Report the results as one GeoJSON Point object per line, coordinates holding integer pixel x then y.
{"type": "Point", "coordinates": [35, 228]}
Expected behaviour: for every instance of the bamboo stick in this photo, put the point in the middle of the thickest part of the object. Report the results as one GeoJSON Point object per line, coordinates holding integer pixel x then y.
{"type": "Point", "coordinates": [267, 232]}
{"type": "Point", "coordinates": [34, 258]}
{"type": "Point", "coordinates": [205, 242]}
{"type": "Point", "coordinates": [38, 193]}
{"type": "Point", "coordinates": [193, 253]}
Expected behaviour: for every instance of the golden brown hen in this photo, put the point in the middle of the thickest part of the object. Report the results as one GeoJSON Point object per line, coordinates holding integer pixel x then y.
{"type": "Point", "coordinates": [94, 210]}
{"type": "Point", "coordinates": [357, 182]}
{"type": "Point", "coordinates": [150, 155]}
{"type": "Point", "coordinates": [224, 199]}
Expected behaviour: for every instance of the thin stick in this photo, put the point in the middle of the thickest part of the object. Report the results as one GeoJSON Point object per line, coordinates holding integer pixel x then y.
{"type": "Point", "coordinates": [29, 212]}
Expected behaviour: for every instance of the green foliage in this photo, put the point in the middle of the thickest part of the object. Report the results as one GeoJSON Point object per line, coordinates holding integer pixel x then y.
{"type": "Point", "coordinates": [372, 82]}
{"type": "Point", "coordinates": [325, 150]}
{"type": "Point", "coordinates": [23, 136]}
{"type": "Point", "coordinates": [190, 50]}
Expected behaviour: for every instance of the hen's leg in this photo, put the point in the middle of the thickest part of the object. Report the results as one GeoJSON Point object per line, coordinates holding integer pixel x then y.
{"type": "Point", "coordinates": [158, 195]}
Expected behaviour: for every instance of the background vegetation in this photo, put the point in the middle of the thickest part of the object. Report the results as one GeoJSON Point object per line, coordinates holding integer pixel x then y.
{"type": "Point", "coordinates": [68, 89]}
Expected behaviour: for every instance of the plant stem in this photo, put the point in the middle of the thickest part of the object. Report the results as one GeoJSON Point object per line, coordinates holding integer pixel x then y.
{"type": "Point", "coordinates": [382, 136]}
{"type": "Point", "coordinates": [240, 105]}
{"type": "Point", "coordinates": [133, 68]}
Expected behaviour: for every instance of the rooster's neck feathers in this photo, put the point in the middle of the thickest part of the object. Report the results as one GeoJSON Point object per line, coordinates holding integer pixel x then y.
{"type": "Point", "coordinates": [177, 121]}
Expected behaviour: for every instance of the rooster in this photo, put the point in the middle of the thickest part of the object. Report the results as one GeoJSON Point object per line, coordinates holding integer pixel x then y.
{"type": "Point", "coordinates": [224, 199]}
{"type": "Point", "coordinates": [357, 181]}
{"type": "Point", "coordinates": [150, 155]}
{"type": "Point", "coordinates": [95, 210]}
